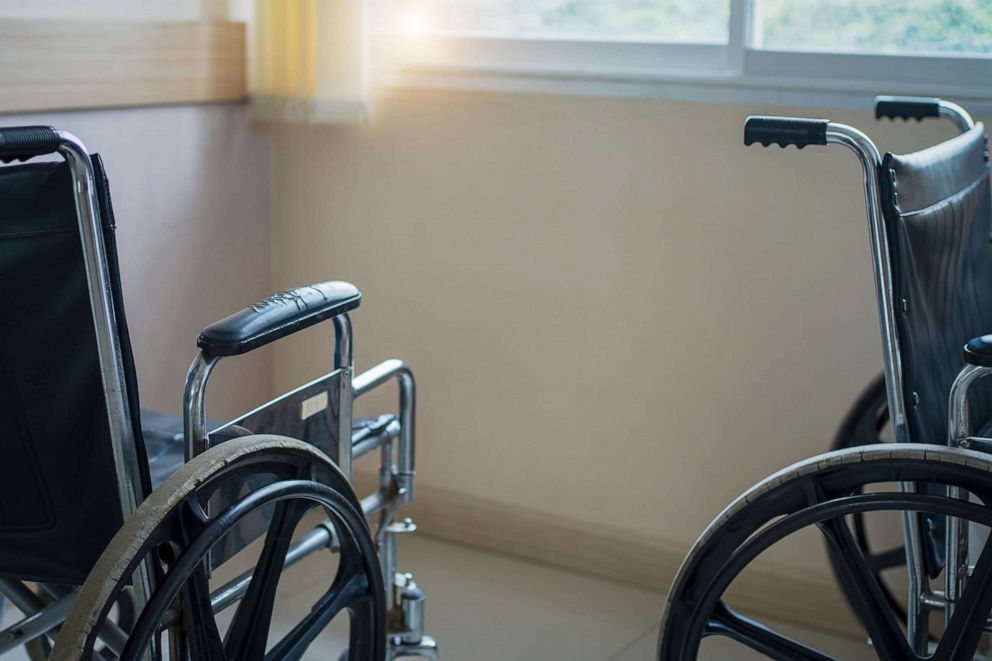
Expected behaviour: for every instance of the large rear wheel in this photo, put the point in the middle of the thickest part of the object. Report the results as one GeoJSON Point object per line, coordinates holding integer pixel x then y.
{"type": "Point", "coordinates": [819, 495]}
{"type": "Point", "coordinates": [274, 480]}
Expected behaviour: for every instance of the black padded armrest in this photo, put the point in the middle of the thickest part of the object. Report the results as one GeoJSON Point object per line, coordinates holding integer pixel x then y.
{"type": "Point", "coordinates": [277, 316]}
{"type": "Point", "coordinates": [979, 351]}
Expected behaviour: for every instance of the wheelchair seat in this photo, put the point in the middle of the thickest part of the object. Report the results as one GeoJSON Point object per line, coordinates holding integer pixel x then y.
{"type": "Point", "coordinates": [165, 442]}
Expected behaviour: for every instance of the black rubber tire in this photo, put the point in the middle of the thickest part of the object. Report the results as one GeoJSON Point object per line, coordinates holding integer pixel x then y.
{"type": "Point", "coordinates": [695, 605]}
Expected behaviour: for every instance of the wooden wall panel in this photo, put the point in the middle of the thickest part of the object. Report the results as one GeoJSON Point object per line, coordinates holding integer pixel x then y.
{"type": "Point", "coordinates": [55, 65]}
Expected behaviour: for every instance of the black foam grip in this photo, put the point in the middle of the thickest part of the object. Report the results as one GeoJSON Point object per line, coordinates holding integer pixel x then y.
{"type": "Point", "coordinates": [23, 142]}
{"type": "Point", "coordinates": [785, 131]}
{"type": "Point", "coordinates": [906, 107]}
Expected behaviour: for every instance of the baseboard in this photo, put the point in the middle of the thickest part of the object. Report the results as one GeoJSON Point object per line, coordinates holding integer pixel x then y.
{"type": "Point", "coordinates": [645, 562]}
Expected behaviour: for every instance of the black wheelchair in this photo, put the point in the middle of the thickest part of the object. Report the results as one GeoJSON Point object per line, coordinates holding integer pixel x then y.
{"type": "Point", "coordinates": [930, 227]}
{"type": "Point", "coordinates": [116, 523]}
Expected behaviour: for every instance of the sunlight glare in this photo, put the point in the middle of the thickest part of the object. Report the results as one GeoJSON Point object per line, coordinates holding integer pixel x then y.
{"type": "Point", "coordinates": [416, 20]}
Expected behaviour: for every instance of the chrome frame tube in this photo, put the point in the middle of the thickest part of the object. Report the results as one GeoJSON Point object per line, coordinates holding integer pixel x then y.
{"type": "Point", "coordinates": [406, 463]}
{"type": "Point", "coordinates": [956, 535]}
{"type": "Point", "coordinates": [868, 155]}
{"type": "Point", "coordinates": [367, 445]}
{"type": "Point", "coordinates": [344, 355]}
{"type": "Point", "coordinates": [870, 160]}
{"type": "Point", "coordinates": [21, 596]}
{"type": "Point", "coordinates": [40, 618]}
{"type": "Point", "coordinates": [127, 464]}
{"type": "Point", "coordinates": [375, 503]}
{"type": "Point", "coordinates": [36, 624]}
{"type": "Point", "coordinates": [959, 417]}
{"type": "Point", "coordinates": [952, 111]}
{"type": "Point", "coordinates": [125, 450]}
{"type": "Point", "coordinates": [344, 360]}
{"type": "Point", "coordinates": [194, 404]}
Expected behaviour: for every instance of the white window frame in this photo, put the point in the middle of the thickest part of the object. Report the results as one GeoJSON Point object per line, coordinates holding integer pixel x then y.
{"type": "Point", "coordinates": [738, 71]}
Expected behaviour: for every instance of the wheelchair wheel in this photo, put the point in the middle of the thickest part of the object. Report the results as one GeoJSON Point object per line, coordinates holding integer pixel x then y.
{"type": "Point", "coordinates": [173, 530]}
{"type": "Point", "coordinates": [866, 423]}
{"type": "Point", "coordinates": [819, 494]}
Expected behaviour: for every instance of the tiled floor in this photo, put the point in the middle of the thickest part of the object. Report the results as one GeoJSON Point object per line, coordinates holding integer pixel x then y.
{"type": "Point", "coordinates": [484, 607]}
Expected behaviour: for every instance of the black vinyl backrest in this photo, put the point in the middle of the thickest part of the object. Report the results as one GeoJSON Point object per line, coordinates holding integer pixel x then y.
{"type": "Point", "coordinates": [59, 505]}
{"type": "Point", "coordinates": [939, 219]}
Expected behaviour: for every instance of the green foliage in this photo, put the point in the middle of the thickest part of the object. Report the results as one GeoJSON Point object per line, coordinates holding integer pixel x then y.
{"type": "Point", "coordinates": [855, 25]}
{"type": "Point", "coordinates": [675, 20]}
{"type": "Point", "coordinates": [879, 25]}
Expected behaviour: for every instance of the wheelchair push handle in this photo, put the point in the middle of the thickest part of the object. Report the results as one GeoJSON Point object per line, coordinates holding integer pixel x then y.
{"type": "Point", "coordinates": [19, 143]}
{"type": "Point", "coordinates": [906, 107]}
{"type": "Point", "coordinates": [785, 131]}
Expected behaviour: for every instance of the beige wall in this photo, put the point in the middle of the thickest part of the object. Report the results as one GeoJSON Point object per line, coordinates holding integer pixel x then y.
{"type": "Point", "coordinates": [191, 199]}
{"type": "Point", "coordinates": [615, 311]}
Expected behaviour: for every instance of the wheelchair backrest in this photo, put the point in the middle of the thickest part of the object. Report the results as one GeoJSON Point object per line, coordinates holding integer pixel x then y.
{"type": "Point", "coordinates": [59, 498]}
{"type": "Point", "coordinates": [938, 215]}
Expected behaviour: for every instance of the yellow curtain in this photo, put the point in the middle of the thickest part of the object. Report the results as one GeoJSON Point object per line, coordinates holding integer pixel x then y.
{"type": "Point", "coordinates": [311, 61]}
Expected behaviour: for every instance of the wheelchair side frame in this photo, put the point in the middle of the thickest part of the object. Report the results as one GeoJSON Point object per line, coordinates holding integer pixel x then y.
{"type": "Point", "coordinates": [921, 598]}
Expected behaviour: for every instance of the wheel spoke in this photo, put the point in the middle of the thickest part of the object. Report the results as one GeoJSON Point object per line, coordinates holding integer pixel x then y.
{"type": "Point", "coordinates": [249, 632]}
{"type": "Point", "coordinates": [348, 589]}
{"type": "Point", "coordinates": [860, 582]}
{"type": "Point", "coordinates": [726, 622]}
{"type": "Point", "coordinates": [199, 623]}
{"type": "Point", "coordinates": [964, 631]}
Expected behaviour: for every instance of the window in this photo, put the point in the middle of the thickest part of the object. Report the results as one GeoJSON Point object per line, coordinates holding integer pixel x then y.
{"type": "Point", "coordinates": [703, 21]}
{"type": "Point", "coordinates": [907, 26]}
{"type": "Point", "coordinates": [820, 52]}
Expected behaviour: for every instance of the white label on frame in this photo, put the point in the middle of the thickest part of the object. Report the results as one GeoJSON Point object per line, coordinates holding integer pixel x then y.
{"type": "Point", "coordinates": [313, 405]}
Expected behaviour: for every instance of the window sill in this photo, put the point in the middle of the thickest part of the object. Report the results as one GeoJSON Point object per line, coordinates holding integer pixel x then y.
{"type": "Point", "coordinates": [717, 88]}
{"type": "Point", "coordinates": [707, 73]}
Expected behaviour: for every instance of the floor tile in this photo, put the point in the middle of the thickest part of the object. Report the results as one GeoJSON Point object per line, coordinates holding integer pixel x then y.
{"type": "Point", "coordinates": [722, 649]}
{"type": "Point", "coordinates": [483, 606]}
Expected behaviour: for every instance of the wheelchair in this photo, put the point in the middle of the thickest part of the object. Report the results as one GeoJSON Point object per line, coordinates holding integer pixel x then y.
{"type": "Point", "coordinates": [117, 524]}
{"type": "Point", "coordinates": [930, 225]}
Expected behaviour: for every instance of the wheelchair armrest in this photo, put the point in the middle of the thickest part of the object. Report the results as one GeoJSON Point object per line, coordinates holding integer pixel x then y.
{"type": "Point", "coordinates": [979, 351]}
{"type": "Point", "coordinates": [277, 316]}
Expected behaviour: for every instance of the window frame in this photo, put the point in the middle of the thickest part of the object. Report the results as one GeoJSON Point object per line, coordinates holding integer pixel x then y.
{"type": "Point", "coordinates": [736, 71]}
